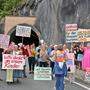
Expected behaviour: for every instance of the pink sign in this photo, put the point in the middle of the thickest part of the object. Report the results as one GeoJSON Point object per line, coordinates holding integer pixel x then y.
{"type": "Point", "coordinates": [4, 40]}
{"type": "Point", "coordinates": [71, 27]}
{"type": "Point", "coordinates": [13, 61]}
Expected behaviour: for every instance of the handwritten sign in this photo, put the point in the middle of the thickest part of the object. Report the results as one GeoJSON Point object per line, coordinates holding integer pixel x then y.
{"type": "Point", "coordinates": [71, 33]}
{"type": "Point", "coordinates": [42, 73]}
{"type": "Point", "coordinates": [71, 36]}
{"type": "Point", "coordinates": [23, 31]}
{"type": "Point", "coordinates": [4, 40]}
{"type": "Point", "coordinates": [13, 61]}
{"type": "Point", "coordinates": [71, 27]}
{"type": "Point", "coordinates": [83, 35]}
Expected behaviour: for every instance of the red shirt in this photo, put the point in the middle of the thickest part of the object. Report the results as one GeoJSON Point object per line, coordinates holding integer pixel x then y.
{"type": "Point", "coordinates": [25, 51]}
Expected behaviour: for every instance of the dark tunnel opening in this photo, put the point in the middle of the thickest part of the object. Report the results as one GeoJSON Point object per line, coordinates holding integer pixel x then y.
{"type": "Point", "coordinates": [34, 38]}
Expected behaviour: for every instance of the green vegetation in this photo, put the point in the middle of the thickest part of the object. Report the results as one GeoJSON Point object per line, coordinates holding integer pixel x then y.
{"type": "Point", "coordinates": [7, 7]}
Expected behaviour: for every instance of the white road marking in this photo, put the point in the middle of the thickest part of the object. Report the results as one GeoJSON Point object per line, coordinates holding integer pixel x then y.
{"type": "Point", "coordinates": [81, 85]}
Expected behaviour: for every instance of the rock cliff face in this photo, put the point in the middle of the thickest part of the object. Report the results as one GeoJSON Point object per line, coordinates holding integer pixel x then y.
{"type": "Point", "coordinates": [52, 15]}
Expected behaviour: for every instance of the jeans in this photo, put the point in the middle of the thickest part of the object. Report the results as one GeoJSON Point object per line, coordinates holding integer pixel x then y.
{"type": "Point", "coordinates": [59, 83]}
{"type": "Point", "coordinates": [31, 61]}
{"type": "Point", "coordinates": [52, 65]}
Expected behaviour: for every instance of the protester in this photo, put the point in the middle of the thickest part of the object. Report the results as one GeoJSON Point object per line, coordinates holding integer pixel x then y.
{"type": "Point", "coordinates": [31, 59]}
{"type": "Point", "coordinates": [52, 56]}
{"type": "Point", "coordinates": [38, 56]}
{"type": "Point", "coordinates": [17, 73]}
{"type": "Point", "coordinates": [79, 57]}
{"type": "Point", "coordinates": [60, 68]}
{"type": "Point", "coordinates": [24, 52]}
{"type": "Point", "coordinates": [1, 51]}
{"type": "Point", "coordinates": [86, 57]}
{"type": "Point", "coordinates": [65, 48]}
{"type": "Point", "coordinates": [44, 58]}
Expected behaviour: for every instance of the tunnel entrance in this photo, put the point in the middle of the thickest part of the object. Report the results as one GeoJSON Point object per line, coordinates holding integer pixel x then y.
{"type": "Point", "coordinates": [34, 38]}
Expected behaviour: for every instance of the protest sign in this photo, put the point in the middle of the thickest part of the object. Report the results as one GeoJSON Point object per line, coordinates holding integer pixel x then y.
{"type": "Point", "coordinates": [42, 73]}
{"type": "Point", "coordinates": [83, 35]}
{"type": "Point", "coordinates": [24, 31]}
{"type": "Point", "coordinates": [71, 33]}
{"type": "Point", "coordinates": [13, 61]}
{"type": "Point", "coordinates": [71, 27]}
{"type": "Point", "coordinates": [4, 40]}
{"type": "Point", "coordinates": [71, 36]}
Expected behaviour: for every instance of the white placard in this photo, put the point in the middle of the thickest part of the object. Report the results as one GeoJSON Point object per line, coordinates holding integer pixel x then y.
{"type": "Point", "coordinates": [13, 61]}
{"type": "Point", "coordinates": [42, 73]}
{"type": "Point", "coordinates": [24, 31]}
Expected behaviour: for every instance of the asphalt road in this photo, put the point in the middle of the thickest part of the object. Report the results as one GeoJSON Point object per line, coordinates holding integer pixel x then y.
{"type": "Point", "coordinates": [30, 84]}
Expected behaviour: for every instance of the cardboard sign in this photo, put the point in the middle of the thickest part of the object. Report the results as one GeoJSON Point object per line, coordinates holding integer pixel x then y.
{"type": "Point", "coordinates": [23, 31]}
{"type": "Point", "coordinates": [13, 61]}
{"type": "Point", "coordinates": [83, 35]}
{"type": "Point", "coordinates": [4, 40]}
{"type": "Point", "coordinates": [71, 33]}
{"type": "Point", "coordinates": [42, 73]}
{"type": "Point", "coordinates": [71, 36]}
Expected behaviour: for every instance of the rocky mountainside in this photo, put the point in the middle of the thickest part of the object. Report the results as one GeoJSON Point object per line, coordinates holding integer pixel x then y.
{"type": "Point", "coordinates": [52, 15]}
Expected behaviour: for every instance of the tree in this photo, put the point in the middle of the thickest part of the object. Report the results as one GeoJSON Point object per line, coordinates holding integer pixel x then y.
{"type": "Point", "coordinates": [8, 6]}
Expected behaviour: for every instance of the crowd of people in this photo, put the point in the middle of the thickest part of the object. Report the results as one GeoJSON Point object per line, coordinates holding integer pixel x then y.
{"type": "Point", "coordinates": [54, 56]}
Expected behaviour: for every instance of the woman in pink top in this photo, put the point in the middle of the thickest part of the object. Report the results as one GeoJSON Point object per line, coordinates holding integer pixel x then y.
{"type": "Point", "coordinates": [86, 58]}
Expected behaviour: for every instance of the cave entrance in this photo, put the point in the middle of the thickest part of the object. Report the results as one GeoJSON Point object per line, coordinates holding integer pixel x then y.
{"type": "Point", "coordinates": [34, 36]}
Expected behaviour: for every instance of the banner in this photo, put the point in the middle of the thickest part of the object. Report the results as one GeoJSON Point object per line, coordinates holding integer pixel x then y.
{"type": "Point", "coordinates": [42, 73]}
{"type": "Point", "coordinates": [24, 31]}
{"type": "Point", "coordinates": [13, 61]}
{"type": "Point", "coordinates": [83, 35]}
{"type": "Point", "coordinates": [4, 40]}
